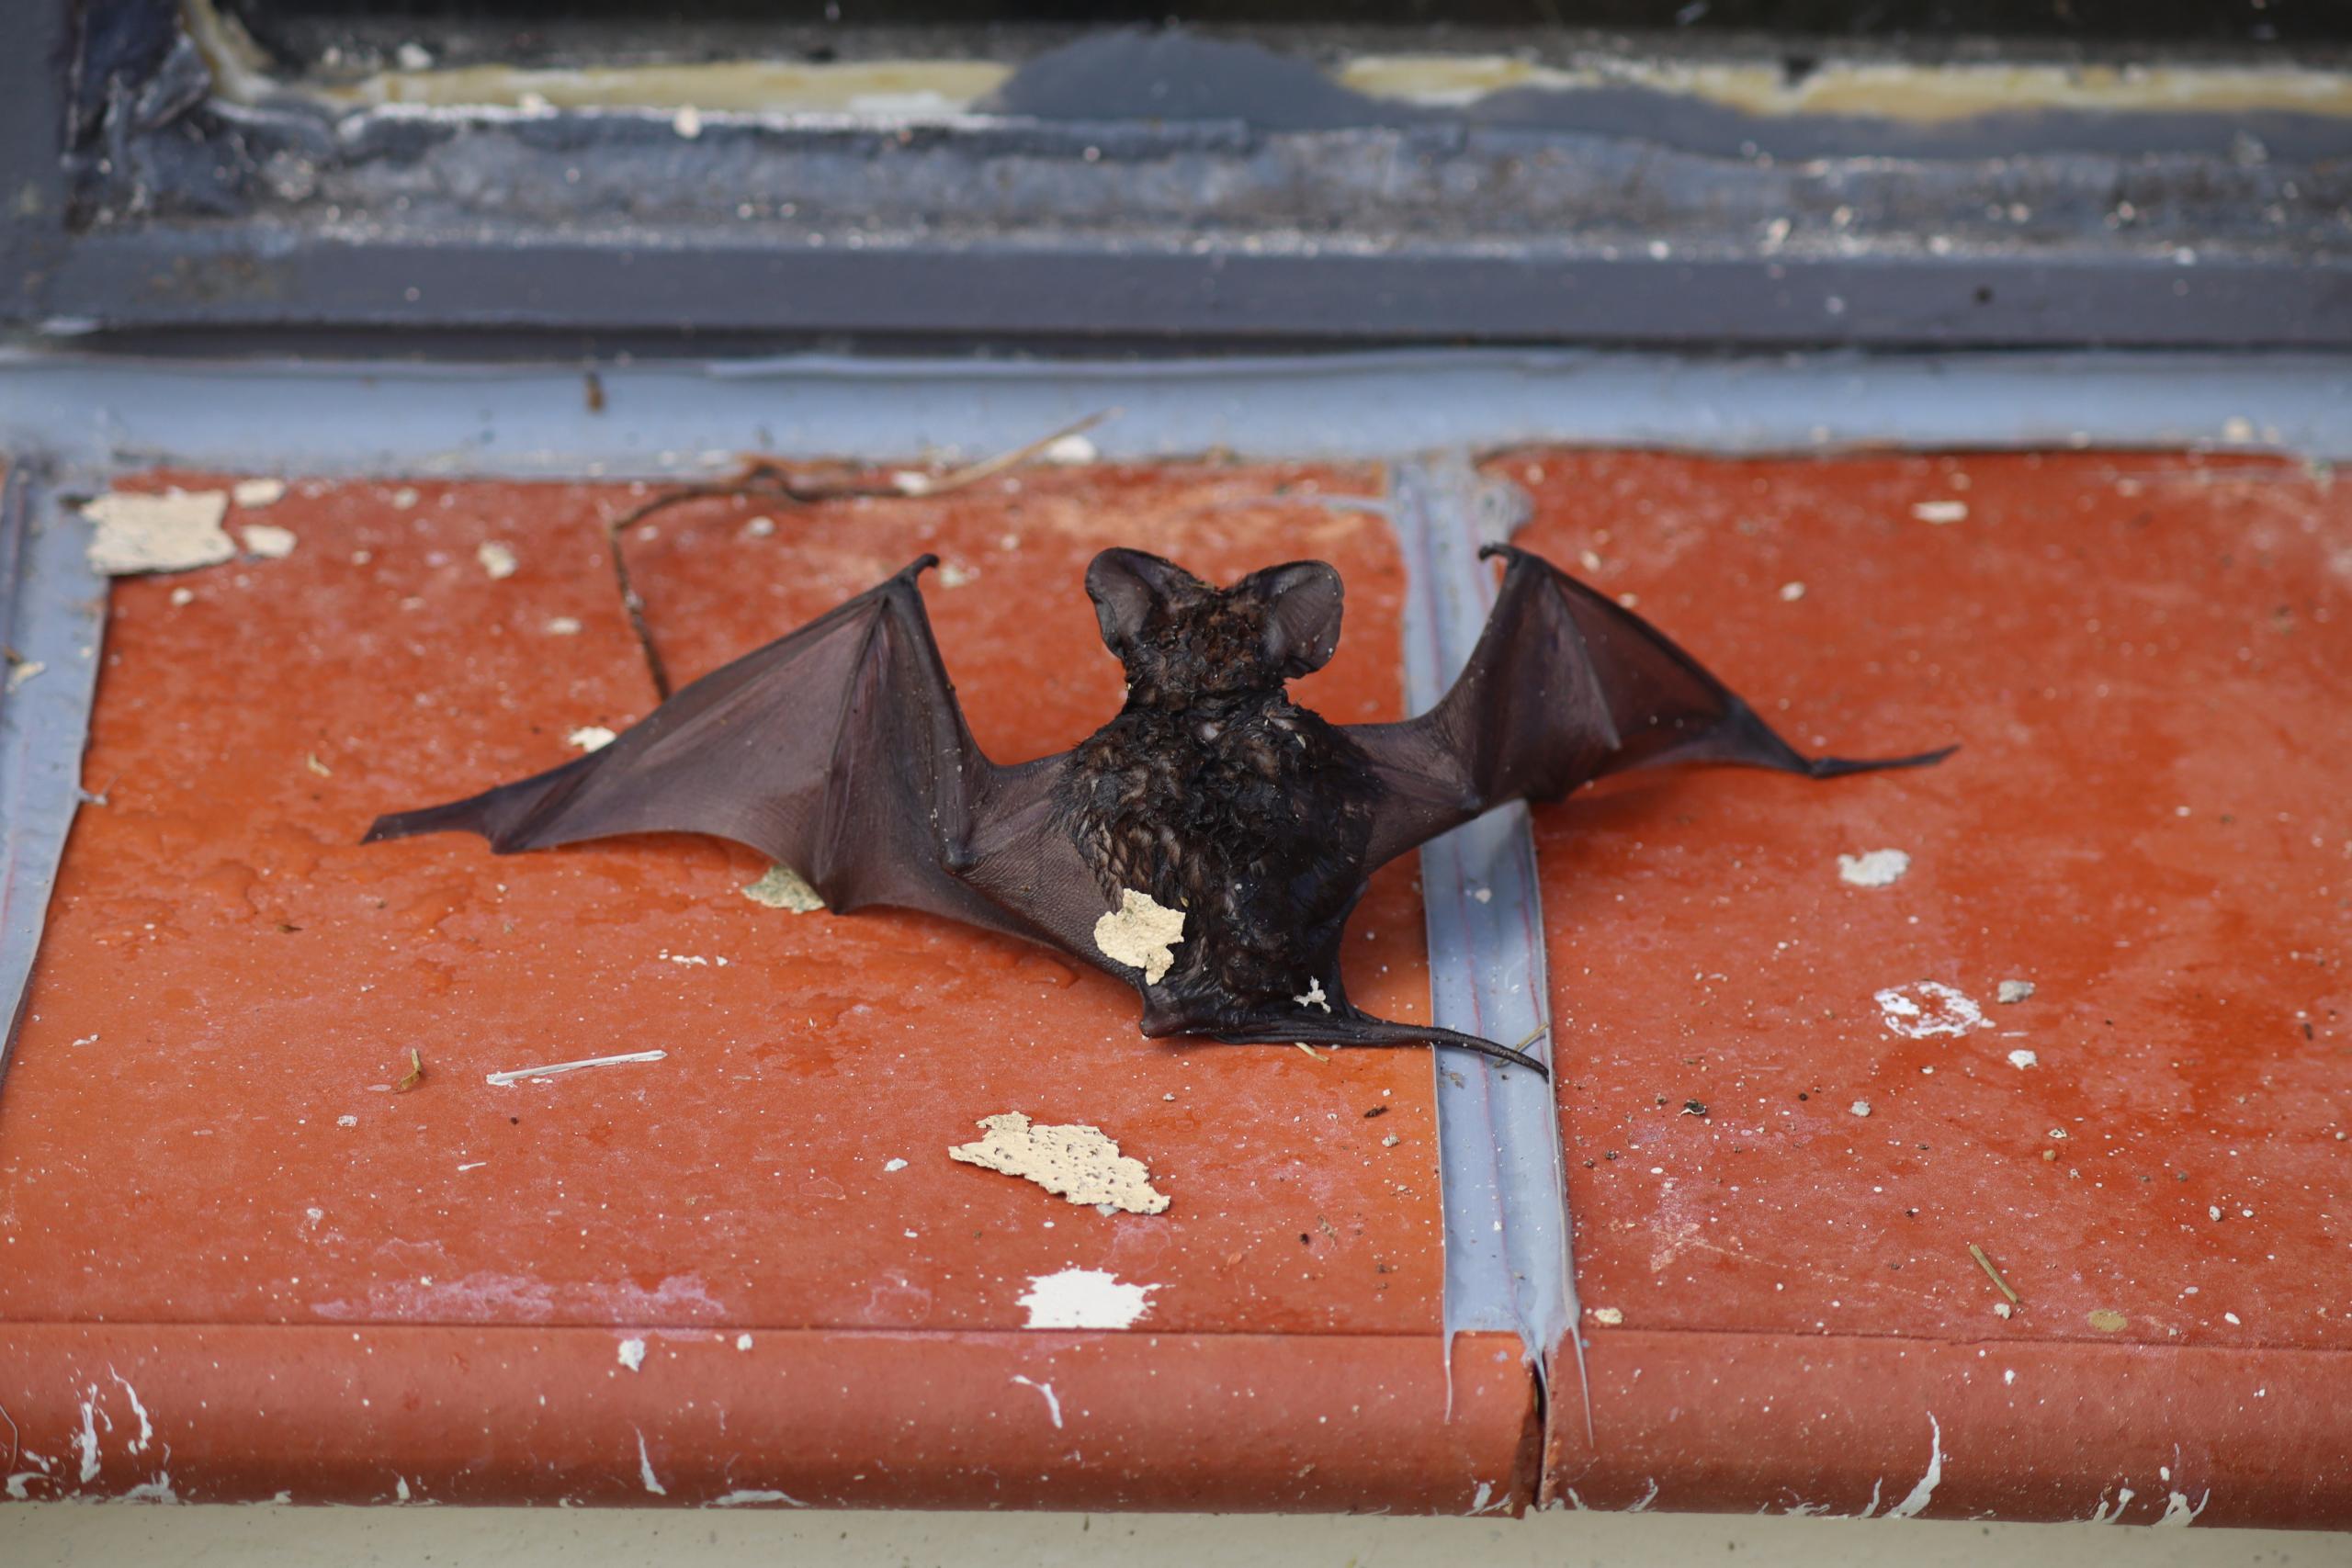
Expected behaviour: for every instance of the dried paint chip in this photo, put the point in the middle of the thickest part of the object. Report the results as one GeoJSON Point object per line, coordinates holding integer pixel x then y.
{"type": "Point", "coordinates": [1139, 933]}
{"type": "Point", "coordinates": [1873, 868]}
{"type": "Point", "coordinates": [781, 887]}
{"type": "Point", "coordinates": [1940, 512]}
{"type": "Point", "coordinates": [2107, 1320]}
{"type": "Point", "coordinates": [497, 560]}
{"type": "Point", "coordinates": [254, 494]}
{"type": "Point", "coordinates": [2002, 1309]}
{"type": "Point", "coordinates": [1860, 1107]}
{"type": "Point", "coordinates": [890, 1164]}
{"type": "Point", "coordinates": [1612, 1316]}
{"type": "Point", "coordinates": [1077, 1162]}
{"type": "Point", "coordinates": [1928, 1007]}
{"type": "Point", "coordinates": [1084, 1298]}
{"type": "Point", "coordinates": [1792, 592]}
{"type": "Point", "coordinates": [177, 531]}
{"type": "Point", "coordinates": [267, 541]}
{"type": "Point", "coordinates": [953, 574]}
{"type": "Point", "coordinates": [2014, 991]}
{"type": "Point", "coordinates": [591, 737]}
{"type": "Point", "coordinates": [562, 625]}
{"type": "Point", "coordinates": [2024, 1059]}
{"type": "Point", "coordinates": [1072, 449]}
{"type": "Point", "coordinates": [20, 669]}
{"type": "Point", "coordinates": [632, 1354]}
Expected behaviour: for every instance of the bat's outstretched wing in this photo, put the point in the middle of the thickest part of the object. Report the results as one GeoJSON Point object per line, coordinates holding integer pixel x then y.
{"type": "Point", "coordinates": [1565, 686]}
{"type": "Point", "coordinates": [838, 750]}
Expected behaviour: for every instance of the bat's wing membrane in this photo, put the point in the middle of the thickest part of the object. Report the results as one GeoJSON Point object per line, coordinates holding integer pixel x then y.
{"type": "Point", "coordinates": [1565, 686]}
{"type": "Point", "coordinates": [838, 750]}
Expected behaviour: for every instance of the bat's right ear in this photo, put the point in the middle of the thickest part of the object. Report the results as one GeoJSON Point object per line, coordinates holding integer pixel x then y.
{"type": "Point", "coordinates": [1127, 586]}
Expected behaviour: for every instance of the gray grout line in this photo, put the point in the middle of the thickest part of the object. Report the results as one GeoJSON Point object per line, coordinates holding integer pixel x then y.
{"type": "Point", "coordinates": [672, 417]}
{"type": "Point", "coordinates": [53, 608]}
{"type": "Point", "coordinates": [1500, 1172]}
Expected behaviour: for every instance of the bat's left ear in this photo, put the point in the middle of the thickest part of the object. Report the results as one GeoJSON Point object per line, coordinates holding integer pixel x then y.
{"type": "Point", "coordinates": [1303, 605]}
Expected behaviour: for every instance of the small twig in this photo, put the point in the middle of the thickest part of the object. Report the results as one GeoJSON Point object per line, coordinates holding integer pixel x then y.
{"type": "Point", "coordinates": [1993, 1274]}
{"type": "Point", "coordinates": [1540, 1032]}
{"type": "Point", "coordinates": [415, 1075]}
{"type": "Point", "coordinates": [767, 479]}
{"type": "Point", "coordinates": [1304, 1046]}
{"type": "Point", "coordinates": [520, 1075]}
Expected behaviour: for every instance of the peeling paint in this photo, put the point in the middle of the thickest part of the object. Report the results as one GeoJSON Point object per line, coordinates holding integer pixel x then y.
{"type": "Point", "coordinates": [1643, 1505]}
{"type": "Point", "coordinates": [267, 541]}
{"type": "Point", "coordinates": [1077, 1162]}
{"type": "Point", "coordinates": [2013, 991]}
{"type": "Point", "coordinates": [2177, 1511]}
{"type": "Point", "coordinates": [1916, 1501]}
{"type": "Point", "coordinates": [1139, 934]}
{"type": "Point", "coordinates": [146, 1428]}
{"type": "Point", "coordinates": [1083, 1298]}
{"type": "Point", "coordinates": [159, 1490]}
{"type": "Point", "coordinates": [177, 531]}
{"type": "Point", "coordinates": [591, 737]}
{"type": "Point", "coordinates": [2103, 1515]}
{"type": "Point", "coordinates": [88, 1439]}
{"type": "Point", "coordinates": [497, 560]}
{"type": "Point", "coordinates": [254, 494]}
{"type": "Point", "coordinates": [781, 887]}
{"type": "Point", "coordinates": [747, 1498]}
{"type": "Point", "coordinates": [632, 1354]}
{"type": "Point", "coordinates": [645, 1468]}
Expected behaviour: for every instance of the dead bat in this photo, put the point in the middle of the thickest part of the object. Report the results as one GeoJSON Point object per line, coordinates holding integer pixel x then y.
{"type": "Point", "coordinates": [1207, 845]}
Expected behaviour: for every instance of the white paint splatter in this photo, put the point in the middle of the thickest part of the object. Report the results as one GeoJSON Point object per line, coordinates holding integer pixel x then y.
{"type": "Point", "coordinates": [1860, 1107]}
{"type": "Point", "coordinates": [399, 1488]}
{"type": "Point", "coordinates": [1072, 448]}
{"type": "Point", "coordinates": [254, 494]}
{"type": "Point", "coordinates": [16, 1492]}
{"type": "Point", "coordinates": [1486, 1501]}
{"type": "Point", "coordinates": [742, 1341]}
{"type": "Point", "coordinates": [1083, 1298]}
{"type": "Point", "coordinates": [1915, 1502]}
{"type": "Point", "coordinates": [562, 625]}
{"type": "Point", "coordinates": [1792, 592]}
{"type": "Point", "coordinates": [2013, 991]}
{"type": "Point", "coordinates": [645, 1468]}
{"type": "Point", "coordinates": [1647, 1497]}
{"type": "Point", "coordinates": [521, 1075]}
{"type": "Point", "coordinates": [2103, 1515]}
{"type": "Point", "coordinates": [591, 737]}
{"type": "Point", "coordinates": [1936, 1008]}
{"type": "Point", "coordinates": [1139, 934]}
{"type": "Point", "coordinates": [1940, 512]}
{"type": "Point", "coordinates": [146, 1428]}
{"type": "Point", "coordinates": [497, 560]}
{"type": "Point", "coordinates": [1873, 868]}
{"type": "Point", "coordinates": [2024, 1059]}
{"type": "Point", "coordinates": [1314, 996]}
{"type": "Point", "coordinates": [891, 1164]}
{"type": "Point", "coordinates": [745, 1498]}
{"type": "Point", "coordinates": [88, 1441]}
{"type": "Point", "coordinates": [1053, 1400]}
{"type": "Point", "coordinates": [2177, 1511]}
{"type": "Point", "coordinates": [632, 1354]}
{"type": "Point", "coordinates": [156, 1490]}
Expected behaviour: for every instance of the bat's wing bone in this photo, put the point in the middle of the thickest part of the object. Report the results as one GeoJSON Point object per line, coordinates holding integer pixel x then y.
{"type": "Point", "coordinates": [838, 750]}
{"type": "Point", "coordinates": [1565, 686]}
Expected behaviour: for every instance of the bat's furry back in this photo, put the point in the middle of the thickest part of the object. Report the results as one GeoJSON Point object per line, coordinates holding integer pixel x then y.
{"type": "Point", "coordinates": [1245, 824]}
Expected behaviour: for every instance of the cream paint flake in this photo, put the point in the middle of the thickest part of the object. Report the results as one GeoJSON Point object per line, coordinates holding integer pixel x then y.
{"type": "Point", "coordinates": [1139, 933]}
{"type": "Point", "coordinates": [1077, 1162]}
{"type": "Point", "coordinates": [781, 887]}
{"type": "Point", "coordinates": [1084, 1298]}
{"type": "Point", "coordinates": [177, 531]}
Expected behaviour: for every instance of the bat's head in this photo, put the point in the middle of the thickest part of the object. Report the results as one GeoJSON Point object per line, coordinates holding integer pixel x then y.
{"type": "Point", "coordinates": [1183, 640]}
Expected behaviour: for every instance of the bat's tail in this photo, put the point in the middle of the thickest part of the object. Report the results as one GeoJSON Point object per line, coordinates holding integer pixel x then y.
{"type": "Point", "coordinates": [1348, 1027]}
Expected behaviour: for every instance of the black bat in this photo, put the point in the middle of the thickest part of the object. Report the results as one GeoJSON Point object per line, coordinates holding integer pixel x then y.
{"type": "Point", "coordinates": [1207, 845]}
